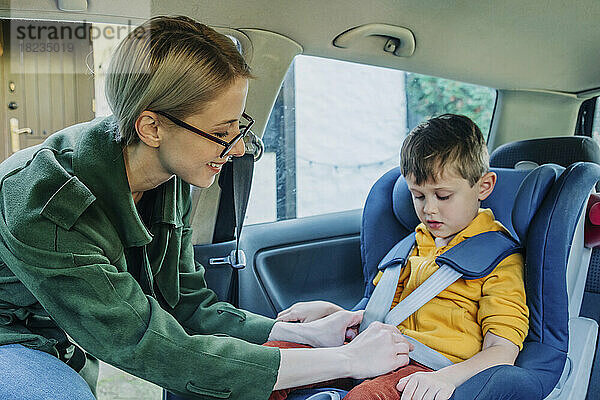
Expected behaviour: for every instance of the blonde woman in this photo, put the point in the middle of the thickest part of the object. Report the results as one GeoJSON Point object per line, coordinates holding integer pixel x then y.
{"type": "Point", "coordinates": [95, 250]}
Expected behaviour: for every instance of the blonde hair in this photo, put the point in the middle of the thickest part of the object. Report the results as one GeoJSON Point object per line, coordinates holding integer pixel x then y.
{"type": "Point", "coordinates": [170, 64]}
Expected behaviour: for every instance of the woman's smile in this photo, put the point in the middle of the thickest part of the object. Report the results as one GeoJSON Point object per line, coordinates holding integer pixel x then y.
{"type": "Point", "coordinates": [215, 167]}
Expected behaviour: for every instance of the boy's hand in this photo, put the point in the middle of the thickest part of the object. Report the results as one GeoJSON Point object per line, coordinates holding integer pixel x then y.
{"type": "Point", "coordinates": [308, 311]}
{"type": "Point", "coordinates": [425, 386]}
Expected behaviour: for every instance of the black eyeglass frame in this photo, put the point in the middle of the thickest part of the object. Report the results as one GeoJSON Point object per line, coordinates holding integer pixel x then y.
{"type": "Point", "coordinates": [244, 129]}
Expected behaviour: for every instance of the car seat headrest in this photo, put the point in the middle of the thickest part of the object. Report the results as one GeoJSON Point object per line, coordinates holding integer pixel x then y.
{"type": "Point", "coordinates": [562, 150]}
{"type": "Point", "coordinates": [530, 195]}
{"type": "Point", "coordinates": [403, 206]}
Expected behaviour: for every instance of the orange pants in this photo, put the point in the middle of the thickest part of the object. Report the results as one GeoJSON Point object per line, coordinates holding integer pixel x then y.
{"type": "Point", "coordinates": [380, 388]}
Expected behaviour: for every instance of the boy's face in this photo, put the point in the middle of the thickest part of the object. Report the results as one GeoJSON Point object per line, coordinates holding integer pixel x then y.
{"type": "Point", "coordinates": [449, 204]}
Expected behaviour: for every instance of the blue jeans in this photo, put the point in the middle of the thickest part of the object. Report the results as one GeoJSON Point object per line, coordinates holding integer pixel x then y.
{"type": "Point", "coordinates": [34, 375]}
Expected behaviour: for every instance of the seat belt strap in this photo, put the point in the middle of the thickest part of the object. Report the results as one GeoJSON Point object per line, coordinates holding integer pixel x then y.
{"type": "Point", "coordinates": [381, 299]}
{"type": "Point", "coordinates": [380, 302]}
{"type": "Point", "coordinates": [427, 356]}
{"type": "Point", "coordinates": [434, 285]}
{"type": "Point", "coordinates": [243, 168]}
{"type": "Point", "coordinates": [378, 305]}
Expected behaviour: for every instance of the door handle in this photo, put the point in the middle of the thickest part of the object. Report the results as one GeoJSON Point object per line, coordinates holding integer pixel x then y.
{"type": "Point", "coordinates": [15, 132]}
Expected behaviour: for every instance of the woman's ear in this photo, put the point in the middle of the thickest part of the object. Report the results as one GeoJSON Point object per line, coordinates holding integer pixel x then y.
{"type": "Point", "coordinates": [146, 126]}
{"type": "Point", "coordinates": [486, 185]}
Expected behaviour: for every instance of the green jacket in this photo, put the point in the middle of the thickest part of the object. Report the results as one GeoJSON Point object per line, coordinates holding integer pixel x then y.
{"type": "Point", "coordinates": [69, 225]}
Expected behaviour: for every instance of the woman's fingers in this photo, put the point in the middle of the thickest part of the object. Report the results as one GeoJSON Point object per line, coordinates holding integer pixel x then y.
{"type": "Point", "coordinates": [286, 316]}
{"type": "Point", "coordinates": [378, 350]}
{"type": "Point", "coordinates": [402, 360]}
{"type": "Point", "coordinates": [308, 311]}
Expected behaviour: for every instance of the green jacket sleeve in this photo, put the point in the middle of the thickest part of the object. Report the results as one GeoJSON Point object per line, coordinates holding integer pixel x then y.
{"type": "Point", "coordinates": [197, 308]}
{"type": "Point", "coordinates": [105, 311]}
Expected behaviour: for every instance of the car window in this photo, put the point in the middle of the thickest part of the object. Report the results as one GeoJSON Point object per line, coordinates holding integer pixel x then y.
{"type": "Point", "coordinates": [338, 126]}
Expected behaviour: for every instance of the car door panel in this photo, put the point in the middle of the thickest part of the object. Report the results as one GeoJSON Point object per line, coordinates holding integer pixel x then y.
{"type": "Point", "coordinates": [290, 274]}
{"type": "Point", "coordinates": [313, 258]}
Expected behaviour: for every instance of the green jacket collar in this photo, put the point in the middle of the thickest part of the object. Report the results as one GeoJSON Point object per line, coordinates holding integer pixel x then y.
{"type": "Point", "coordinates": [98, 162]}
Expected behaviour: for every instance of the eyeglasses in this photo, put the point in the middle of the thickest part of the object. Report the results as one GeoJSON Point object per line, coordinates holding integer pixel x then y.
{"type": "Point", "coordinates": [244, 129]}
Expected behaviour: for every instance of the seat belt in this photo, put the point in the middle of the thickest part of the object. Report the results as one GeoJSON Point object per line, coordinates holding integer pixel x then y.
{"type": "Point", "coordinates": [242, 169]}
{"type": "Point", "coordinates": [391, 265]}
{"type": "Point", "coordinates": [460, 260]}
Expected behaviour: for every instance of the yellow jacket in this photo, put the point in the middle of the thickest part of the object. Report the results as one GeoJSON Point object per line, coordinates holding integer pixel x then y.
{"type": "Point", "coordinates": [455, 321]}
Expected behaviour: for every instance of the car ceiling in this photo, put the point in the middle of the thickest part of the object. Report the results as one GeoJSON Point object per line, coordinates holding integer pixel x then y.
{"type": "Point", "coordinates": [512, 44]}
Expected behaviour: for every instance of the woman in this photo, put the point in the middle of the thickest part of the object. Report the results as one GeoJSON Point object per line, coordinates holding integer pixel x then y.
{"type": "Point", "coordinates": [95, 243]}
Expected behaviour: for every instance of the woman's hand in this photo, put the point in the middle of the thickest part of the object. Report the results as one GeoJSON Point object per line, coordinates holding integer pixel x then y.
{"type": "Point", "coordinates": [308, 311]}
{"type": "Point", "coordinates": [425, 386]}
{"type": "Point", "coordinates": [330, 331]}
{"type": "Point", "coordinates": [378, 350]}
{"type": "Point", "coordinates": [334, 329]}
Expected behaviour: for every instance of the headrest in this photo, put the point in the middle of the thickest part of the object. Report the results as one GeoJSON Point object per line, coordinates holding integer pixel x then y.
{"type": "Point", "coordinates": [562, 150]}
{"type": "Point", "coordinates": [403, 206]}
{"type": "Point", "coordinates": [530, 195]}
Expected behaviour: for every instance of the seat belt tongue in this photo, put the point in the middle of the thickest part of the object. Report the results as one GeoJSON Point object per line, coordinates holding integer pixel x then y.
{"type": "Point", "coordinates": [236, 259]}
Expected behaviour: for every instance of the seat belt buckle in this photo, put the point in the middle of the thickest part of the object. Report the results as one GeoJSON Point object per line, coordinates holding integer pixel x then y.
{"type": "Point", "coordinates": [235, 261]}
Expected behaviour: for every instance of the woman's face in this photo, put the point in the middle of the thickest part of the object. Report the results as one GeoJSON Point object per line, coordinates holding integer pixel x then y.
{"type": "Point", "coordinates": [194, 158]}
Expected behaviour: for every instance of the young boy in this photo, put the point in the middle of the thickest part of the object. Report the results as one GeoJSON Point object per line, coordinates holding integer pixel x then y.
{"type": "Point", "coordinates": [474, 323]}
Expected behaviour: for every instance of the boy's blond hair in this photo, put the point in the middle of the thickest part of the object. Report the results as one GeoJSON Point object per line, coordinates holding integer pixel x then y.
{"type": "Point", "coordinates": [448, 140]}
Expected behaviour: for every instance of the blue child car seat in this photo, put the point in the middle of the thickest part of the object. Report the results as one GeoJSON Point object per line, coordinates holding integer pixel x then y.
{"type": "Point", "coordinates": [566, 150]}
{"type": "Point", "coordinates": [541, 208]}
